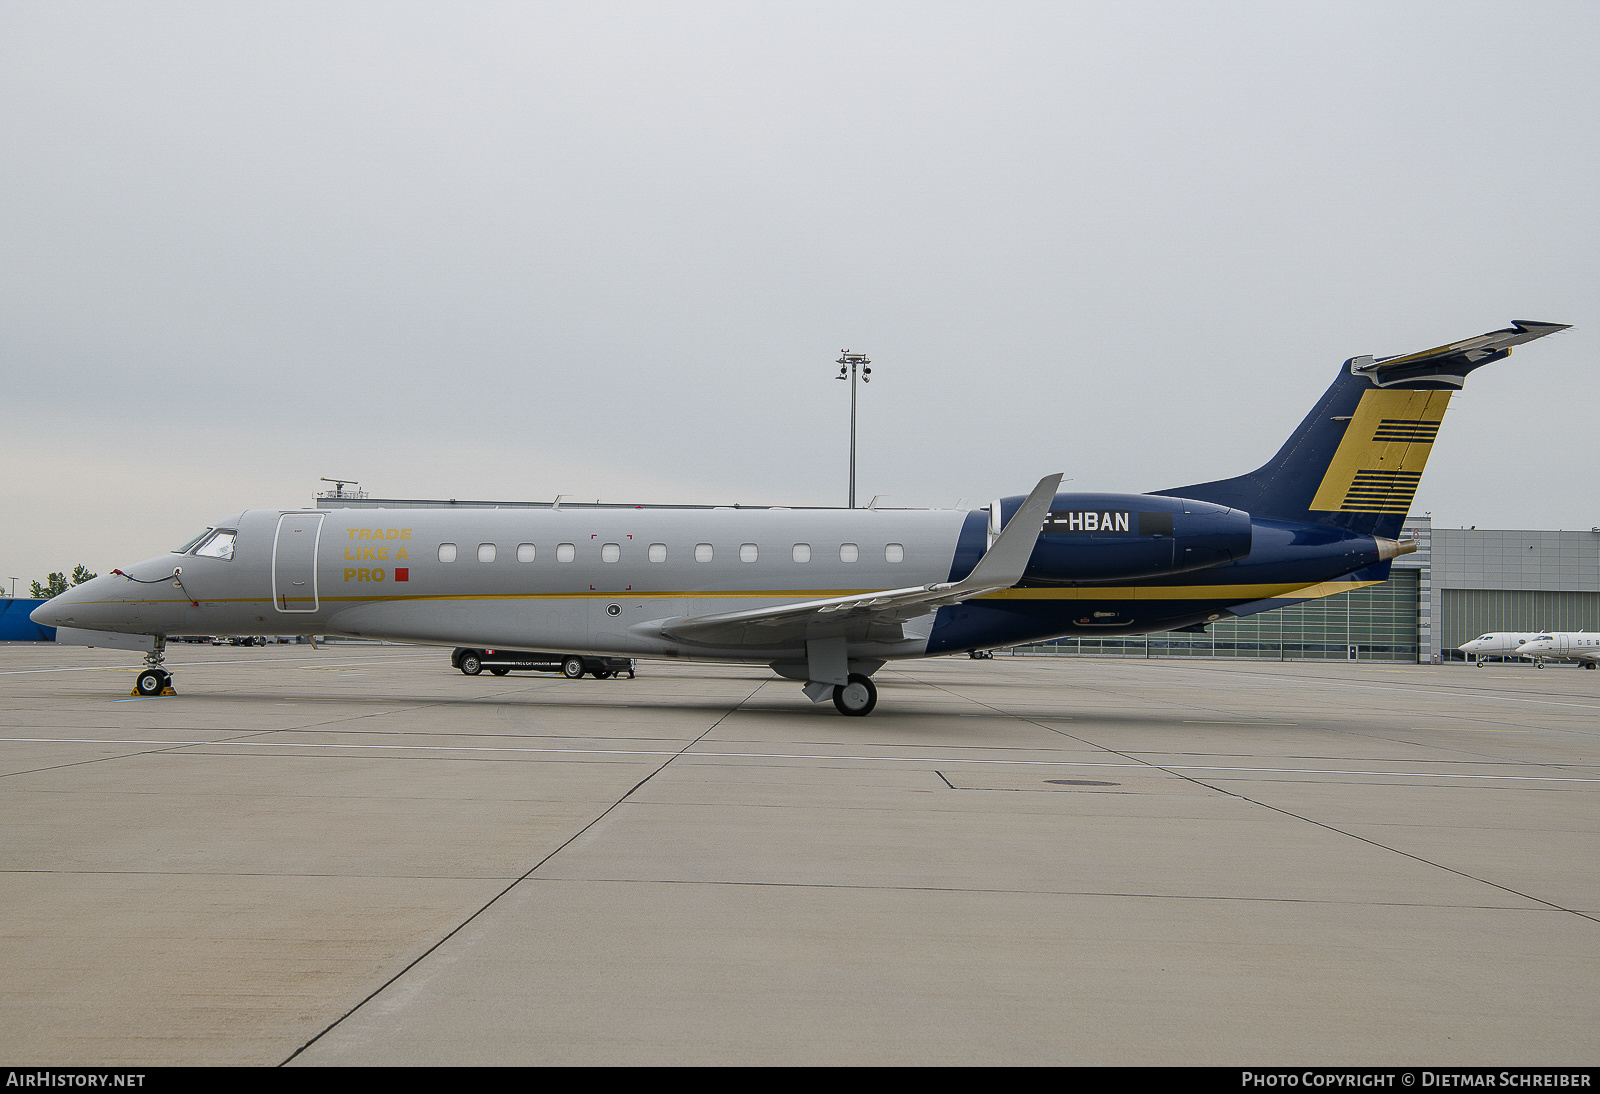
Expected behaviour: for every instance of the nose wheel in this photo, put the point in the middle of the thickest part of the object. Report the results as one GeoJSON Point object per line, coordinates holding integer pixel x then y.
{"type": "Point", "coordinates": [154, 680]}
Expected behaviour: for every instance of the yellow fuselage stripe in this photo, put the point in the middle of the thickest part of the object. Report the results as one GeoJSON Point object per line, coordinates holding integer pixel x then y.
{"type": "Point", "coordinates": [1230, 593]}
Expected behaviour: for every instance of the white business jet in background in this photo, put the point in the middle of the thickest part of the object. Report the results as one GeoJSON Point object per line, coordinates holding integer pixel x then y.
{"type": "Point", "coordinates": [1497, 644]}
{"type": "Point", "coordinates": [1580, 646]}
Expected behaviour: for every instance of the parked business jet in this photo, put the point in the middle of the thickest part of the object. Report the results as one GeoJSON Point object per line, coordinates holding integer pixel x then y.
{"type": "Point", "coordinates": [825, 597]}
{"type": "Point", "coordinates": [1580, 646]}
{"type": "Point", "coordinates": [1497, 644]}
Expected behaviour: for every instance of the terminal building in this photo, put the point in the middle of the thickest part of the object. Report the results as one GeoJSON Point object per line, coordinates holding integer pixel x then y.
{"type": "Point", "coordinates": [1460, 583]}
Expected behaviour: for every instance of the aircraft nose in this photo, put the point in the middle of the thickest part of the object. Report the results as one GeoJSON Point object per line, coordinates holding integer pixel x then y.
{"type": "Point", "coordinates": [53, 612]}
{"type": "Point", "coordinates": [60, 609]}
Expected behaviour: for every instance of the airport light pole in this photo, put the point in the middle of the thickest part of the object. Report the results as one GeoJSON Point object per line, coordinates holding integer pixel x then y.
{"type": "Point", "coordinates": [848, 364]}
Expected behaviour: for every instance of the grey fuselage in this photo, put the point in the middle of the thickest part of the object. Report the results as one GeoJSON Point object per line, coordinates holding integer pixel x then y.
{"type": "Point", "coordinates": [378, 574]}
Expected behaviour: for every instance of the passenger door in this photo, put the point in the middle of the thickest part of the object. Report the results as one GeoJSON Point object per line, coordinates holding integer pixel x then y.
{"type": "Point", "coordinates": [294, 562]}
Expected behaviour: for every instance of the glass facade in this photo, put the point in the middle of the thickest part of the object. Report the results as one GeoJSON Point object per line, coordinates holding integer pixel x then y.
{"type": "Point", "coordinates": [1471, 612]}
{"type": "Point", "coordinates": [1378, 623]}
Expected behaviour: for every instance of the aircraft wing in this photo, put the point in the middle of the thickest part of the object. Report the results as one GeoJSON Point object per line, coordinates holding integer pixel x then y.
{"type": "Point", "coordinates": [1451, 363]}
{"type": "Point", "coordinates": [1001, 567]}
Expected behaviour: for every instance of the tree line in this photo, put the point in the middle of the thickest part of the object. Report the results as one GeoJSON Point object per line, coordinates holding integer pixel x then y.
{"type": "Point", "coordinates": [56, 584]}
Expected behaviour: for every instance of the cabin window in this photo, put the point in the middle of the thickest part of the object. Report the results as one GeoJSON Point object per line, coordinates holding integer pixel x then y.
{"type": "Point", "coordinates": [610, 552]}
{"type": "Point", "coordinates": [526, 552]}
{"type": "Point", "coordinates": [702, 552]}
{"type": "Point", "coordinates": [894, 552]}
{"type": "Point", "coordinates": [447, 552]}
{"type": "Point", "coordinates": [485, 552]}
{"type": "Point", "coordinates": [802, 552]}
{"type": "Point", "coordinates": [220, 545]}
{"type": "Point", "coordinates": [566, 552]}
{"type": "Point", "coordinates": [658, 552]}
{"type": "Point", "coordinates": [748, 552]}
{"type": "Point", "coordinates": [849, 552]}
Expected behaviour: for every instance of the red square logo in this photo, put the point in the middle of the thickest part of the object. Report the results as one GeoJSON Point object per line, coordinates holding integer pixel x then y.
{"type": "Point", "coordinates": [402, 574]}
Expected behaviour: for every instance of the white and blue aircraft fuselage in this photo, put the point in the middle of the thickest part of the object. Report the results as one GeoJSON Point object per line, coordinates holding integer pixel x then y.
{"type": "Point", "coordinates": [823, 596]}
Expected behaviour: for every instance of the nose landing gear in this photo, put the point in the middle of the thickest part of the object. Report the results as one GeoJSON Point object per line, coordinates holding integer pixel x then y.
{"type": "Point", "coordinates": [154, 680]}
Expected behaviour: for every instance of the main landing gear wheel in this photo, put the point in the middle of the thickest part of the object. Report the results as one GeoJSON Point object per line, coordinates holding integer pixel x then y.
{"type": "Point", "coordinates": [572, 668]}
{"type": "Point", "coordinates": [500, 671]}
{"type": "Point", "coordinates": [1588, 664]}
{"type": "Point", "coordinates": [471, 665]}
{"type": "Point", "coordinates": [152, 682]}
{"type": "Point", "coordinates": [857, 698]}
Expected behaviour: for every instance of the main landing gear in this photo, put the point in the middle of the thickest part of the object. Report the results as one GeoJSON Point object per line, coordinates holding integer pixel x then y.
{"type": "Point", "coordinates": [154, 680]}
{"type": "Point", "coordinates": [857, 698]}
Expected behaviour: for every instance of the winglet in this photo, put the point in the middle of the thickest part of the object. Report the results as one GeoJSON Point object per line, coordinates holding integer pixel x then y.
{"type": "Point", "coordinates": [1003, 565]}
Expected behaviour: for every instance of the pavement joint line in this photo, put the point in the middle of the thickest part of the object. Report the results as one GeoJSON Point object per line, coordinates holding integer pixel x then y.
{"type": "Point", "coordinates": [1541, 907]}
{"type": "Point", "coordinates": [568, 842]}
{"type": "Point", "coordinates": [1474, 692]}
{"type": "Point", "coordinates": [1414, 857]}
{"type": "Point", "coordinates": [734, 882]}
{"type": "Point", "coordinates": [1324, 825]}
{"type": "Point", "coordinates": [1132, 765]}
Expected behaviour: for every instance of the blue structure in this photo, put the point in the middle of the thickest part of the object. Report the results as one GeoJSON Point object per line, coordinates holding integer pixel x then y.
{"type": "Point", "coordinates": [15, 626]}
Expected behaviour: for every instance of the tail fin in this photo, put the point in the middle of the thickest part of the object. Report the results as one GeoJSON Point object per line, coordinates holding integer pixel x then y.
{"type": "Point", "coordinates": [1357, 458]}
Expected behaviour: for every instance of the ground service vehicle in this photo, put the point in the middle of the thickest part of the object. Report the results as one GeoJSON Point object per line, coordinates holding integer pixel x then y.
{"type": "Point", "coordinates": [571, 665]}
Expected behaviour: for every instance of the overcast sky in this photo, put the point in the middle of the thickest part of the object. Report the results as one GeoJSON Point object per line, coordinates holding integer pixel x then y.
{"type": "Point", "coordinates": [485, 250]}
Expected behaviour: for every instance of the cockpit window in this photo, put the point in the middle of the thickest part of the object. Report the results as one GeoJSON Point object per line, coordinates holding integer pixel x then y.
{"type": "Point", "coordinates": [218, 545]}
{"type": "Point", "coordinates": [1544, 638]}
{"type": "Point", "coordinates": [193, 543]}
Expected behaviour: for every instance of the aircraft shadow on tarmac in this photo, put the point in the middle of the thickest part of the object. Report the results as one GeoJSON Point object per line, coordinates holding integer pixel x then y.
{"type": "Point", "coordinates": [907, 712]}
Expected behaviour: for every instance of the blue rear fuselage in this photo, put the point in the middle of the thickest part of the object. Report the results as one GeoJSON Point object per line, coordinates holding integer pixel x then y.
{"type": "Point", "coordinates": [1173, 576]}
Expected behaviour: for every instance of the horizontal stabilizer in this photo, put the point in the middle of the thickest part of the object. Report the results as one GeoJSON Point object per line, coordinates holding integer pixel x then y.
{"type": "Point", "coordinates": [1451, 363]}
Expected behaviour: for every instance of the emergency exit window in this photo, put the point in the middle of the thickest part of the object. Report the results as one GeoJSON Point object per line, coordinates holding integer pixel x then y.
{"type": "Point", "coordinates": [447, 552]}
{"type": "Point", "coordinates": [610, 552]}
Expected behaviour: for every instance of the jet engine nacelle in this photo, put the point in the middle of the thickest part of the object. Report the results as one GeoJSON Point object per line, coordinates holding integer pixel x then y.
{"type": "Point", "coordinates": [1117, 537]}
